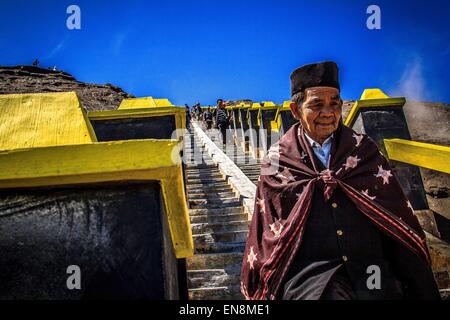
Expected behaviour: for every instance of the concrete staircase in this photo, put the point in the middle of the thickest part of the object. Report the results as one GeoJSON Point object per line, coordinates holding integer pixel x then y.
{"type": "Point", "coordinates": [219, 227]}
{"type": "Point", "coordinates": [244, 160]}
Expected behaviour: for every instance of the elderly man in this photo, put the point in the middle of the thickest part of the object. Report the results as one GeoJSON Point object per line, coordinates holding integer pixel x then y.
{"type": "Point", "coordinates": [331, 222]}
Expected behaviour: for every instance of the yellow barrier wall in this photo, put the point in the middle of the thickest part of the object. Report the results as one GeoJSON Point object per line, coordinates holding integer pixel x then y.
{"type": "Point", "coordinates": [144, 102]}
{"type": "Point", "coordinates": [42, 119]}
{"type": "Point", "coordinates": [163, 103]}
{"type": "Point", "coordinates": [132, 160]}
{"type": "Point", "coordinates": [136, 103]}
{"type": "Point", "coordinates": [373, 97]}
{"type": "Point", "coordinates": [419, 154]}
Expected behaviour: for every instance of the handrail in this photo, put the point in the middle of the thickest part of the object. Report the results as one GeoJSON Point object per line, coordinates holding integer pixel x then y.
{"type": "Point", "coordinates": [420, 154]}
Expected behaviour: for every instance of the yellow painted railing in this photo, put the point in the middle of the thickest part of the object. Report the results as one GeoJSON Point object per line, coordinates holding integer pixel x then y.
{"type": "Point", "coordinates": [269, 106]}
{"type": "Point", "coordinates": [275, 124]}
{"type": "Point", "coordinates": [46, 139]}
{"type": "Point", "coordinates": [372, 98]}
{"type": "Point", "coordinates": [420, 154]}
{"type": "Point", "coordinates": [258, 106]}
{"type": "Point", "coordinates": [133, 160]}
{"type": "Point", "coordinates": [144, 102]}
{"type": "Point", "coordinates": [43, 119]}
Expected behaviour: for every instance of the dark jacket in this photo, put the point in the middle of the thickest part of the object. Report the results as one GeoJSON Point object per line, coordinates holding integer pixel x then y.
{"type": "Point", "coordinates": [361, 244]}
{"type": "Point", "coordinates": [222, 118]}
{"type": "Point", "coordinates": [207, 116]}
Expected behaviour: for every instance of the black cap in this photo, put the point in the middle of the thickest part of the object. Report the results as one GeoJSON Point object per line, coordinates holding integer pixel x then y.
{"type": "Point", "coordinates": [322, 74]}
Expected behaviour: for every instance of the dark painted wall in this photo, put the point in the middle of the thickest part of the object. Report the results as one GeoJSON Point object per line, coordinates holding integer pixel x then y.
{"type": "Point", "coordinates": [137, 128]}
{"type": "Point", "coordinates": [387, 123]}
{"type": "Point", "coordinates": [114, 233]}
{"type": "Point", "coordinates": [267, 137]}
{"type": "Point", "coordinates": [287, 121]}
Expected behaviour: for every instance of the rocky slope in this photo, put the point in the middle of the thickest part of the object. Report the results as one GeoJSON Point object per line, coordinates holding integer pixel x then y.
{"type": "Point", "coordinates": [29, 79]}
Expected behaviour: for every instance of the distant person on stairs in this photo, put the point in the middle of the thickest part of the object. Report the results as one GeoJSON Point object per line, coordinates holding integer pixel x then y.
{"type": "Point", "coordinates": [208, 118]}
{"type": "Point", "coordinates": [222, 120]}
{"type": "Point", "coordinates": [188, 118]}
{"type": "Point", "coordinates": [198, 112]}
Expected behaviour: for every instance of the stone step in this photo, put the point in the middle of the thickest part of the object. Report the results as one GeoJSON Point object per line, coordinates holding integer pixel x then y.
{"type": "Point", "coordinates": [193, 147]}
{"type": "Point", "coordinates": [212, 199]}
{"type": "Point", "coordinates": [212, 194]}
{"type": "Point", "coordinates": [220, 247]}
{"type": "Point", "coordinates": [201, 168]}
{"type": "Point", "coordinates": [203, 180]}
{"type": "Point", "coordinates": [195, 162]}
{"type": "Point", "coordinates": [240, 155]}
{"type": "Point", "coordinates": [218, 218]}
{"type": "Point", "coordinates": [198, 159]}
{"type": "Point", "coordinates": [236, 154]}
{"type": "Point", "coordinates": [251, 174]}
{"type": "Point", "coordinates": [254, 173]}
{"type": "Point", "coordinates": [207, 188]}
{"type": "Point", "coordinates": [243, 164]}
{"type": "Point", "coordinates": [206, 179]}
{"type": "Point", "coordinates": [201, 194]}
{"type": "Point", "coordinates": [203, 240]}
{"type": "Point", "coordinates": [250, 171]}
{"type": "Point", "coordinates": [215, 184]}
{"type": "Point", "coordinates": [213, 278]}
{"type": "Point", "coordinates": [246, 160]}
{"type": "Point", "coordinates": [218, 293]}
{"type": "Point", "coordinates": [215, 211]}
{"type": "Point", "coordinates": [252, 168]}
{"type": "Point", "coordinates": [217, 227]}
{"type": "Point", "coordinates": [196, 204]}
{"type": "Point", "coordinates": [196, 150]}
{"type": "Point", "coordinates": [206, 176]}
{"type": "Point", "coordinates": [213, 170]}
{"type": "Point", "coordinates": [221, 187]}
{"type": "Point", "coordinates": [214, 260]}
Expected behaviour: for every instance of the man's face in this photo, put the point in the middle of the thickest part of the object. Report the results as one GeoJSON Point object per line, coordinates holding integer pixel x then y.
{"type": "Point", "coordinates": [320, 112]}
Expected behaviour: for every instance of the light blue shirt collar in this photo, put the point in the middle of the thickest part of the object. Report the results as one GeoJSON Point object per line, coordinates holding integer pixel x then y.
{"type": "Point", "coordinates": [321, 151]}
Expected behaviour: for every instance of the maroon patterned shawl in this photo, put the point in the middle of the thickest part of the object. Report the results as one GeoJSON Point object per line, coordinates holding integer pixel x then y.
{"type": "Point", "coordinates": [283, 202]}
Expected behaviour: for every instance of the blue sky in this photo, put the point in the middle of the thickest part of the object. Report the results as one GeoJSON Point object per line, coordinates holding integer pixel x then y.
{"type": "Point", "coordinates": [191, 51]}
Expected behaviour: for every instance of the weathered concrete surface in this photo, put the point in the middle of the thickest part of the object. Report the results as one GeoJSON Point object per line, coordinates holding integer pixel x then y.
{"type": "Point", "coordinates": [440, 260]}
{"type": "Point", "coordinates": [115, 233]}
